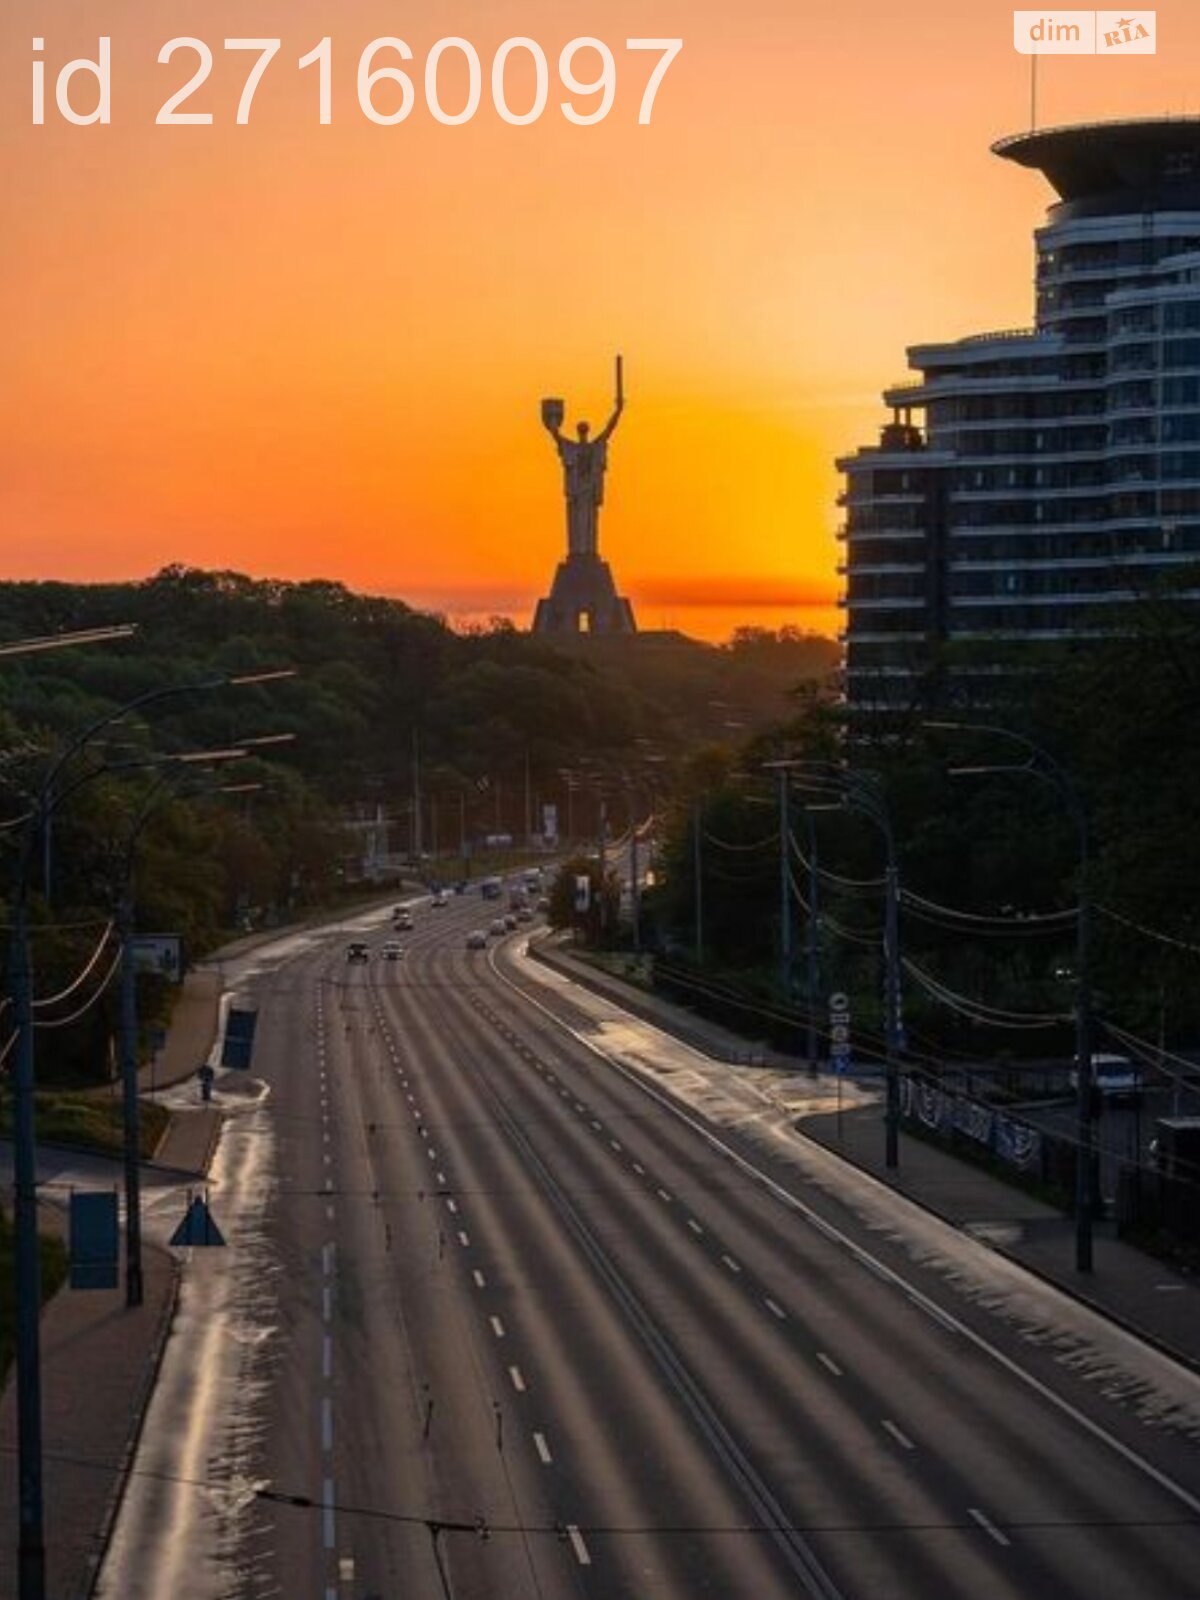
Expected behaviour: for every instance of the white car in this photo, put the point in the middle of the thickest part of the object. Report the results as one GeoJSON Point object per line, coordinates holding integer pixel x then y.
{"type": "Point", "coordinates": [393, 950]}
{"type": "Point", "coordinates": [1115, 1077]}
{"type": "Point", "coordinates": [477, 939]}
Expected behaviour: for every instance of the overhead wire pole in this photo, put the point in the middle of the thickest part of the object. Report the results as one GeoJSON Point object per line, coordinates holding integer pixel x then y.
{"type": "Point", "coordinates": [863, 792]}
{"type": "Point", "coordinates": [1042, 764]}
{"type": "Point", "coordinates": [698, 879]}
{"type": "Point", "coordinates": [812, 985]}
{"type": "Point", "coordinates": [785, 885]}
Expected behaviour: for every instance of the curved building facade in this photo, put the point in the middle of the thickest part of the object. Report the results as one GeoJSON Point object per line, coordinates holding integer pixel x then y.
{"type": "Point", "coordinates": [1055, 474]}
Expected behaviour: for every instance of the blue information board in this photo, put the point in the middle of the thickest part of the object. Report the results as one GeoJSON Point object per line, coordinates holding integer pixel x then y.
{"type": "Point", "coordinates": [94, 1240]}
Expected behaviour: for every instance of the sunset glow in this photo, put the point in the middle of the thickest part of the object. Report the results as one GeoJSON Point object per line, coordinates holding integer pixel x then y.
{"type": "Point", "coordinates": [312, 351]}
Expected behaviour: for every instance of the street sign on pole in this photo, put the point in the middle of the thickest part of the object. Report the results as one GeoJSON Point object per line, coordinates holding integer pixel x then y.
{"type": "Point", "coordinates": [839, 1033]}
{"type": "Point", "coordinates": [198, 1227]}
{"type": "Point", "coordinates": [94, 1238]}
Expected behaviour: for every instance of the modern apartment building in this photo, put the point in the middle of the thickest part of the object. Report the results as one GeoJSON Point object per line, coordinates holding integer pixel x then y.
{"type": "Point", "coordinates": [1055, 474]}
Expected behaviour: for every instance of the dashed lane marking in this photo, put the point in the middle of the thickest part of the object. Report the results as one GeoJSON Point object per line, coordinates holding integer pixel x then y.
{"type": "Point", "coordinates": [900, 1437]}
{"type": "Point", "coordinates": [829, 1363]}
{"type": "Point", "coordinates": [775, 1309]}
{"type": "Point", "coordinates": [581, 1550]}
{"type": "Point", "coordinates": [543, 1449]}
{"type": "Point", "coordinates": [497, 1327]}
{"type": "Point", "coordinates": [731, 1263]}
{"type": "Point", "coordinates": [518, 1382]}
{"type": "Point", "coordinates": [988, 1526]}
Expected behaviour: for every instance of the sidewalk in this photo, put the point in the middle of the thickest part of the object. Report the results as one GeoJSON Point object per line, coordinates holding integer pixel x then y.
{"type": "Point", "coordinates": [1130, 1287]}
{"type": "Point", "coordinates": [99, 1358]}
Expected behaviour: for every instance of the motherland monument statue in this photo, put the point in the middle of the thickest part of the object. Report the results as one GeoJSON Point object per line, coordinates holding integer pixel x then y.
{"type": "Point", "coordinates": [583, 598]}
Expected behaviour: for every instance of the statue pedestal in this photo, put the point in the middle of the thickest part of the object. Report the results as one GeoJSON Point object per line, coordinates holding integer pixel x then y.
{"type": "Point", "coordinates": [583, 599]}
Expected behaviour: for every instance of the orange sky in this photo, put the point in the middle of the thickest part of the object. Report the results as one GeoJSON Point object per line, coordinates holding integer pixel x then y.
{"type": "Point", "coordinates": [320, 351]}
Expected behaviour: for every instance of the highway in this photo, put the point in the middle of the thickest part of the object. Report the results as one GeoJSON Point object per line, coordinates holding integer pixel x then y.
{"type": "Point", "coordinates": [530, 1331]}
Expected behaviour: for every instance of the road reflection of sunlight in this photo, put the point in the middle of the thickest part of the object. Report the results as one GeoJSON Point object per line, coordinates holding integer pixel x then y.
{"type": "Point", "coordinates": [204, 1421]}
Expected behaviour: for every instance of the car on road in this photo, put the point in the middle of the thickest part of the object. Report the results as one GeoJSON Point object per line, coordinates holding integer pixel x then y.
{"type": "Point", "coordinates": [1115, 1077]}
{"type": "Point", "coordinates": [402, 920]}
{"type": "Point", "coordinates": [439, 900]}
{"type": "Point", "coordinates": [524, 914]}
{"type": "Point", "coordinates": [510, 920]}
{"type": "Point", "coordinates": [477, 939]}
{"type": "Point", "coordinates": [393, 950]}
{"type": "Point", "coordinates": [358, 950]}
{"type": "Point", "coordinates": [497, 928]}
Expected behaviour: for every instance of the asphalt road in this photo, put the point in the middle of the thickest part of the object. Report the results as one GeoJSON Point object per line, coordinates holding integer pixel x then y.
{"type": "Point", "coordinates": [529, 1332]}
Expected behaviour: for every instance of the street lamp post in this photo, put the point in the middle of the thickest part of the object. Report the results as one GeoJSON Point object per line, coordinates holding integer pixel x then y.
{"type": "Point", "coordinates": [1041, 764]}
{"type": "Point", "coordinates": [31, 1552]}
{"type": "Point", "coordinates": [177, 766]}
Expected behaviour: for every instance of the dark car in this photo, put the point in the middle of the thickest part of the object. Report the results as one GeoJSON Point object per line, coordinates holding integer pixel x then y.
{"type": "Point", "coordinates": [358, 950]}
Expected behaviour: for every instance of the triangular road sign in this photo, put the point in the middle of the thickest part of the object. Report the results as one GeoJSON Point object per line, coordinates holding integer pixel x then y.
{"type": "Point", "coordinates": [198, 1226]}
